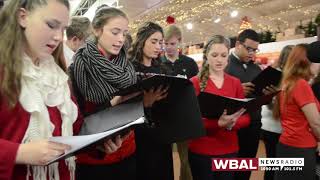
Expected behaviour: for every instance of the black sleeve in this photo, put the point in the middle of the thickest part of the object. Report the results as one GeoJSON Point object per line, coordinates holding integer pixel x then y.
{"type": "Point", "coordinates": [147, 113]}
{"type": "Point", "coordinates": [316, 90]}
{"type": "Point", "coordinates": [195, 69]}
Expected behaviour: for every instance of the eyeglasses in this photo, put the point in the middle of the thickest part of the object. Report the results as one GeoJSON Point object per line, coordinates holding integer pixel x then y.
{"type": "Point", "coordinates": [250, 49]}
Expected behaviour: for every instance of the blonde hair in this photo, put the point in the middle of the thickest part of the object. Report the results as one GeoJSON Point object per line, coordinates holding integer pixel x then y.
{"type": "Point", "coordinates": [11, 46]}
{"type": "Point", "coordinates": [103, 15]}
{"type": "Point", "coordinates": [172, 31]}
{"type": "Point", "coordinates": [79, 27]}
{"type": "Point", "coordinates": [204, 73]}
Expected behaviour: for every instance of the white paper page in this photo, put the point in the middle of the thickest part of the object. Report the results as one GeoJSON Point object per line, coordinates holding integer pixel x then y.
{"type": "Point", "coordinates": [78, 142]}
{"type": "Point", "coordinates": [238, 99]}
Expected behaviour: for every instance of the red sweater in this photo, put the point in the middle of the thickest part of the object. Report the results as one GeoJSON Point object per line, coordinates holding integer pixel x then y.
{"type": "Point", "coordinates": [296, 130]}
{"type": "Point", "coordinates": [13, 125]}
{"type": "Point", "coordinates": [219, 141]}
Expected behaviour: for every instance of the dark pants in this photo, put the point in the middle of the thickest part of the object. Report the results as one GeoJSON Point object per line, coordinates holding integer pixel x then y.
{"type": "Point", "coordinates": [201, 167]}
{"type": "Point", "coordinates": [248, 147]}
{"type": "Point", "coordinates": [308, 171]}
{"type": "Point", "coordinates": [270, 140]}
{"type": "Point", "coordinates": [124, 169]}
{"type": "Point", "coordinates": [154, 159]}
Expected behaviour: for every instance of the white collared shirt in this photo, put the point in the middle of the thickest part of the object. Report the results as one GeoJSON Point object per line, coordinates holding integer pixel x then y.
{"type": "Point", "coordinates": [68, 54]}
{"type": "Point", "coordinates": [243, 64]}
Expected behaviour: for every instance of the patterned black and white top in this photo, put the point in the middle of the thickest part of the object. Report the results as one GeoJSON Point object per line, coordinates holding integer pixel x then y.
{"type": "Point", "coordinates": [97, 77]}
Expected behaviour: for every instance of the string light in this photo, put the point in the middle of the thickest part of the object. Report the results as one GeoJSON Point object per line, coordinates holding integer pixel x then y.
{"type": "Point", "coordinates": [180, 9]}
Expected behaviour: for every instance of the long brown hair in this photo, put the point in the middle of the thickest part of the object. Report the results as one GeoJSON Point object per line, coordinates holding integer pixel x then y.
{"type": "Point", "coordinates": [11, 46]}
{"type": "Point", "coordinates": [296, 67]}
{"type": "Point", "coordinates": [204, 73]}
{"type": "Point", "coordinates": [144, 32]}
{"type": "Point", "coordinates": [284, 54]}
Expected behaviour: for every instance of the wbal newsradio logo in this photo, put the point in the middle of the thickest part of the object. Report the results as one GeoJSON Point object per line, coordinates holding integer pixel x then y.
{"type": "Point", "coordinates": [254, 164]}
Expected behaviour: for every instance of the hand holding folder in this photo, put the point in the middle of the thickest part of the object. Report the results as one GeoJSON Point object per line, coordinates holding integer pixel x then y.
{"type": "Point", "coordinates": [212, 106]}
{"type": "Point", "coordinates": [248, 88]}
{"type": "Point", "coordinates": [102, 125]}
{"type": "Point", "coordinates": [228, 121]}
{"type": "Point", "coordinates": [154, 95]}
{"type": "Point", "coordinates": [153, 82]}
{"type": "Point", "coordinates": [268, 77]}
{"type": "Point", "coordinates": [79, 142]}
{"type": "Point", "coordinates": [178, 115]}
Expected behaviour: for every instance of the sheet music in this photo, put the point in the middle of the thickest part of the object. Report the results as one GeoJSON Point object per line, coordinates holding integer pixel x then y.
{"type": "Point", "coordinates": [78, 142]}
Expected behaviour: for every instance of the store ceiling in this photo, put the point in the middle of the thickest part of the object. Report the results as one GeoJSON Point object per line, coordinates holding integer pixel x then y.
{"type": "Point", "coordinates": [263, 14]}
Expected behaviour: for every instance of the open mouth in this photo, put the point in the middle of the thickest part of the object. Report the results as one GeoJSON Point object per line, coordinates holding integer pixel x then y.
{"type": "Point", "coordinates": [52, 47]}
{"type": "Point", "coordinates": [116, 46]}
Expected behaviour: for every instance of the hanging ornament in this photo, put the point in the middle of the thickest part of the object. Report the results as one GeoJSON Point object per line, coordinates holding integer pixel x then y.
{"type": "Point", "coordinates": [245, 24]}
{"type": "Point", "coordinates": [170, 20]}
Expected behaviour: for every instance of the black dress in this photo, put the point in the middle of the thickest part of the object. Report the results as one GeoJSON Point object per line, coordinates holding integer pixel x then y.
{"type": "Point", "coordinates": [154, 159]}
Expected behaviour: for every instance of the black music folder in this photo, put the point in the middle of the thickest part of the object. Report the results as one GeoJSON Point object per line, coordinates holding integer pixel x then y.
{"type": "Point", "coordinates": [101, 125]}
{"type": "Point", "coordinates": [178, 115]}
{"type": "Point", "coordinates": [112, 117]}
{"type": "Point", "coordinates": [154, 81]}
{"type": "Point", "coordinates": [212, 105]}
{"type": "Point", "coordinates": [269, 76]}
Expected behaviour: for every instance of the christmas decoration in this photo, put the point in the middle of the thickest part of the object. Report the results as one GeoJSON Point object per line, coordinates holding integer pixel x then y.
{"type": "Point", "coordinates": [300, 29]}
{"type": "Point", "coordinates": [245, 24]}
{"type": "Point", "coordinates": [311, 29]}
{"type": "Point", "coordinates": [170, 20]}
{"type": "Point", "coordinates": [317, 20]}
{"type": "Point", "coordinates": [270, 37]}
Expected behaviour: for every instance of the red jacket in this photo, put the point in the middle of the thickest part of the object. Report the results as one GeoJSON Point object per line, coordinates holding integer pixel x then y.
{"type": "Point", "coordinates": [13, 125]}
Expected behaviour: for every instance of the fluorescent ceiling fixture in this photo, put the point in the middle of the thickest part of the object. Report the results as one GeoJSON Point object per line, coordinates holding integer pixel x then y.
{"type": "Point", "coordinates": [116, 5]}
{"type": "Point", "coordinates": [217, 20]}
{"type": "Point", "coordinates": [74, 5]}
{"type": "Point", "coordinates": [234, 13]}
{"type": "Point", "coordinates": [189, 26]}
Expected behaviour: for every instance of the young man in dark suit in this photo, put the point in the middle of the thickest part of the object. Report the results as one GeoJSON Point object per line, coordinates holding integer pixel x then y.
{"type": "Point", "coordinates": [241, 65]}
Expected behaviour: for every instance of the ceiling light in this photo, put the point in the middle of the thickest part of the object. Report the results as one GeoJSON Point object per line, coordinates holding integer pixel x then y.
{"type": "Point", "coordinates": [217, 20]}
{"type": "Point", "coordinates": [116, 4]}
{"type": "Point", "coordinates": [189, 26]}
{"type": "Point", "coordinates": [234, 13]}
